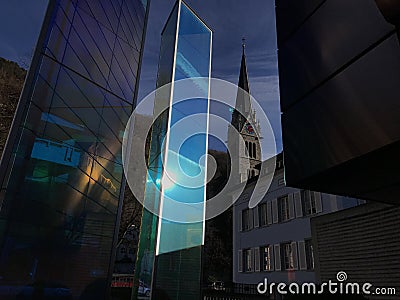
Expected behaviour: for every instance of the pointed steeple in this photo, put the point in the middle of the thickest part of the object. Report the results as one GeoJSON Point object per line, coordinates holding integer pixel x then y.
{"type": "Point", "coordinates": [243, 78]}
{"type": "Point", "coordinates": [243, 103]}
{"type": "Point", "coordinates": [245, 156]}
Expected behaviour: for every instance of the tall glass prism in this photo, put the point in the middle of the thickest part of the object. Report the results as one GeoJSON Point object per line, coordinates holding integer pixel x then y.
{"type": "Point", "coordinates": [169, 258]}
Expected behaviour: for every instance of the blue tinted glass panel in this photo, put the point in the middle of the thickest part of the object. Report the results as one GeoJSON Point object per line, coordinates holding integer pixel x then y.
{"type": "Point", "coordinates": [183, 160]}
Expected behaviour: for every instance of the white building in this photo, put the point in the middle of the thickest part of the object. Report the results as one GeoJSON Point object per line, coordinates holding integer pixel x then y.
{"type": "Point", "coordinates": [273, 240]}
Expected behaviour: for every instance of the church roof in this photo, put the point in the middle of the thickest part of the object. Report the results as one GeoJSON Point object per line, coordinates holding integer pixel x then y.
{"type": "Point", "coordinates": [243, 78]}
{"type": "Point", "coordinates": [243, 103]}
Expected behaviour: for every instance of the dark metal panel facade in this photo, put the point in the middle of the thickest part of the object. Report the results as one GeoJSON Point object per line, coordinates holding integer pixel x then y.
{"type": "Point", "coordinates": [339, 78]}
{"type": "Point", "coordinates": [363, 242]}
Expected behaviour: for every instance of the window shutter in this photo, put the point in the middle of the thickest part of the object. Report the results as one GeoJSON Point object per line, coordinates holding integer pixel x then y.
{"type": "Point", "coordinates": [269, 213]}
{"type": "Point", "coordinates": [318, 202]}
{"type": "Point", "coordinates": [256, 217]}
{"type": "Point", "coordinates": [257, 259]}
{"type": "Point", "coordinates": [277, 254]}
{"type": "Point", "coordinates": [240, 220]}
{"type": "Point", "coordinates": [297, 204]}
{"type": "Point", "coordinates": [271, 253]}
{"type": "Point", "coordinates": [252, 260]}
{"type": "Point", "coordinates": [275, 211]}
{"type": "Point", "coordinates": [251, 224]}
{"type": "Point", "coordinates": [308, 196]}
{"type": "Point", "coordinates": [294, 253]}
{"type": "Point", "coordinates": [240, 261]}
{"type": "Point", "coordinates": [302, 255]}
{"type": "Point", "coordinates": [291, 206]}
{"type": "Point", "coordinates": [334, 203]}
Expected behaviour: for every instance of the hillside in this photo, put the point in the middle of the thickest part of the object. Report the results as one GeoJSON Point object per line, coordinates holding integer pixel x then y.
{"type": "Point", "coordinates": [11, 82]}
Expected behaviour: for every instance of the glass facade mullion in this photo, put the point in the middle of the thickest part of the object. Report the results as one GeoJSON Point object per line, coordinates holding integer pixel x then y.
{"type": "Point", "coordinates": [84, 60]}
{"type": "Point", "coordinates": [73, 110]}
{"type": "Point", "coordinates": [127, 61]}
{"type": "Point", "coordinates": [134, 53]}
{"type": "Point", "coordinates": [90, 81]}
{"type": "Point", "coordinates": [91, 156]}
{"type": "Point", "coordinates": [88, 100]}
{"type": "Point", "coordinates": [121, 49]}
{"type": "Point", "coordinates": [112, 12]}
{"type": "Point", "coordinates": [101, 50]}
{"type": "Point", "coordinates": [135, 33]}
{"type": "Point", "coordinates": [136, 17]}
{"type": "Point", "coordinates": [106, 33]}
{"type": "Point", "coordinates": [120, 78]}
{"type": "Point", "coordinates": [96, 9]}
{"type": "Point", "coordinates": [128, 32]}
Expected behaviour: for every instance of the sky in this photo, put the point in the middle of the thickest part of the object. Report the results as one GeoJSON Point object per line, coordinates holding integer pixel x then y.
{"type": "Point", "coordinates": [20, 22]}
{"type": "Point", "coordinates": [230, 20]}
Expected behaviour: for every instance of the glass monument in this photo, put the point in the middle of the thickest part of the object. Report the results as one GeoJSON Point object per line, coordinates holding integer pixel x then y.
{"type": "Point", "coordinates": [169, 258]}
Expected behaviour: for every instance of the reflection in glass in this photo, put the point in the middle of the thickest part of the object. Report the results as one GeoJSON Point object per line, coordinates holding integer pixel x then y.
{"type": "Point", "coordinates": [173, 241]}
{"type": "Point", "coordinates": [61, 174]}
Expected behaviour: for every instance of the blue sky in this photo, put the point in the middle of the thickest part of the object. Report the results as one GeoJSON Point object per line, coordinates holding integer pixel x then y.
{"type": "Point", "coordinates": [20, 22]}
{"type": "Point", "coordinates": [230, 20]}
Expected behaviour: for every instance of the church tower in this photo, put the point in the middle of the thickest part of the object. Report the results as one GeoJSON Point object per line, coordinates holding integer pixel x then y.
{"type": "Point", "coordinates": [244, 158]}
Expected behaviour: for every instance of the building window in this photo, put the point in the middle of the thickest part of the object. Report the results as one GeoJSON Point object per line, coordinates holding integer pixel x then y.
{"type": "Point", "coordinates": [248, 260]}
{"type": "Point", "coordinates": [253, 173]}
{"type": "Point", "coordinates": [309, 202]}
{"type": "Point", "coordinates": [254, 150]}
{"type": "Point", "coordinates": [287, 256]}
{"type": "Point", "coordinates": [247, 148]}
{"type": "Point", "coordinates": [246, 219]}
{"type": "Point", "coordinates": [250, 150]}
{"type": "Point", "coordinates": [309, 254]}
{"type": "Point", "coordinates": [283, 206]}
{"type": "Point", "coordinates": [263, 214]}
{"type": "Point", "coordinates": [266, 258]}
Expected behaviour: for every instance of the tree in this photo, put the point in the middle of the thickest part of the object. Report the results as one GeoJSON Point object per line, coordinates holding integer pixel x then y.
{"type": "Point", "coordinates": [11, 82]}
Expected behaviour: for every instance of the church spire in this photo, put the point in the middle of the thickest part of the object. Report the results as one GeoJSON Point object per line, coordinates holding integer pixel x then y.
{"type": "Point", "coordinates": [245, 155]}
{"type": "Point", "coordinates": [242, 99]}
{"type": "Point", "coordinates": [243, 78]}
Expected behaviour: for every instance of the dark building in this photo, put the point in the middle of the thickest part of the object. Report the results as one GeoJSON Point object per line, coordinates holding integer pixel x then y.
{"type": "Point", "coordinates": [339, 69]}
{"type": "Point", "coordinates": [61, 173]}
{"type": "Point", "coordinates": [364, 243]}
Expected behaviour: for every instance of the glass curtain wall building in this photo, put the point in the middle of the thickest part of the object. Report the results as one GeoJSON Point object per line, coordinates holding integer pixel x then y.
{"type": "Point", "coordinates": [61, 174]}
{"type": "Point", "coordinates": [169, 256]}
